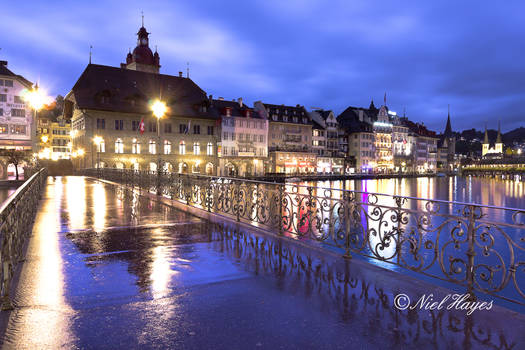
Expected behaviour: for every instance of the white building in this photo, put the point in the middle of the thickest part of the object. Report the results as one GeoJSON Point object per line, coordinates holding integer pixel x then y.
{"type": "Point", "coordinates": [243, 138]}
{"type": "Point", "coordinates": [17, 123]}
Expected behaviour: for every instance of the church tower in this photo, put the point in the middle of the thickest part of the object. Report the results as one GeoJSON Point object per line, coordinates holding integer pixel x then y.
{"type": "Point", "coordinates": [486, 143]}
{"type": "Point", "coordinates": [449, 140]}
{"type": "Point", "coordinates": [499, 144]}
{"type": "Point", "coordinates": [142, 58]}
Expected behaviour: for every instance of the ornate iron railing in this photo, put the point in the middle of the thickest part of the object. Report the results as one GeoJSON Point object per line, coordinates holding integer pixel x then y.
{"type": "Point", "coordinates": [476, 246]}
{"type": "Point", "coordinates": [16, 219]}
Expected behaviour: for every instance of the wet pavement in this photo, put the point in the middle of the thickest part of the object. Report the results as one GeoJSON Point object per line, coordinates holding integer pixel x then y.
{"type": "Point", "coordinates": [107, 269]}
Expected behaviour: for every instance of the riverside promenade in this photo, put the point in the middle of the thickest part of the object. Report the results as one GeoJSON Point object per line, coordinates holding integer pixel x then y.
{"type": "Point", "coordinates": [106, 268]}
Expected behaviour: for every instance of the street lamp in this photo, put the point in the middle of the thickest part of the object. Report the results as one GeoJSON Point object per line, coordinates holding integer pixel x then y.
{"type": "Point", "coordinates": [159, 109]}
{"type": "Point", "coordinates": [97, 140]}
{"type": "Point", "coordinates": [36, 99]}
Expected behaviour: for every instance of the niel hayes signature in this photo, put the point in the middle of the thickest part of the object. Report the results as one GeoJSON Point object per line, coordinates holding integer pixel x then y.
{"type": "Point", "coordinates": [449, 302]}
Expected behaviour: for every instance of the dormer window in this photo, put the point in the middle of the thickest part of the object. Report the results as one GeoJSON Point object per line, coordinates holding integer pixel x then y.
{"type": "Point", "coordinates": [228, 111]}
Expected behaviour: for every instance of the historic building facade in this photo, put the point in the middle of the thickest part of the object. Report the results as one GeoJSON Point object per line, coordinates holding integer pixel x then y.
{"type": "Point", "coordinates": [112, 121]}
{"type": "Point", "coordinates": [17, 122]}
{"type": "Point", "coordinates": [243, 145]}
{"type": "Point", "coordinates": [289, 139]}
{"type": "Point", "coordinates": [54, 138]}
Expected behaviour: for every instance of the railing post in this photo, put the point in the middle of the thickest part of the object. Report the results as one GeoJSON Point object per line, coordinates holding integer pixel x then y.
{"type": "Point", "coordinates": [471, 253]}
{"type": "Point", "coordinates": [281, 191]}
{"type": "Point", "coordinates": [238, 199]}
{"type": "Point", "coordinates": [348, 217]}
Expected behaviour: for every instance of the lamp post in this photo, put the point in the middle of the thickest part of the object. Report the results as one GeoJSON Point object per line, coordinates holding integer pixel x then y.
{"type": "Point", "coordinates": [159, 109]}
{"type": "Point", "coordinates": [98, 140]}
{"type": "Point", "coordinates": [36, 99]}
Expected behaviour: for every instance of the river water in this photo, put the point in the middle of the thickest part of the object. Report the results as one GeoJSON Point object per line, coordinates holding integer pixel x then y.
{"type": "Point", "coordinates": [479, 190]}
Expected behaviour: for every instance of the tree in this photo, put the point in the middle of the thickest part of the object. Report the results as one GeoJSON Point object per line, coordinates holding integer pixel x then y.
{"type": "Point", "coordinates": [14, 157]}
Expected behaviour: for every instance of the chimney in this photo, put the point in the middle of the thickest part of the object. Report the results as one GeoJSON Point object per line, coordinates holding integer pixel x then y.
{"type": "Point", "coordinates": [240, 101]}
{"type": "Point", "coordinates": [211, 98]}
{"type": "Point", "coordinates": [221, 98]}
{"type": "Point", "coordinates": [180, 74]}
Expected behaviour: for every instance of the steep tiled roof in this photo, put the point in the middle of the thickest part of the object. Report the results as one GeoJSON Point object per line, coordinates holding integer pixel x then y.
{"type": "Point", "coordinates": [6, 72]}
{"type": "Point", "coordinates": [218, 107]}
{"type": "Point", "coordinates": [123, 90]}
{"type": "Point", "coordinates": [282, 112]}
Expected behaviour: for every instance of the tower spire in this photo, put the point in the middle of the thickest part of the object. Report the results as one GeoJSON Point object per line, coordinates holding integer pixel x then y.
{"type": "Point", "coordinates": [486, 139]}
{"type": "Point", "coordinates": [187, 69]}
{"type": "Point", "coordinates": [448, 128]}
{"type": "Point", "coordinates": [142, 13]}
{"type": "Point", "coordinates": [90, 48]}
{"type": "Point", "coordinates": [498, 139]}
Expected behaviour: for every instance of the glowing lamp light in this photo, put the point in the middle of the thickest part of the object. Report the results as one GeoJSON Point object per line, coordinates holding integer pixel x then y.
{"type": "Point", "coordinates": [80, 152]}
{"type": "Point", "coordinates": [36, 98]}
{"type": "Point", "coordinates": [97, 140]}
{"type": "Point", "coordinates": [45, 138]}
{"type": "Point", "coordinates": [159, 108]}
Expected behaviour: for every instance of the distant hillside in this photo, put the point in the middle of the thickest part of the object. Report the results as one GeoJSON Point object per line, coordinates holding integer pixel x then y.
{"type": "Point", "coordinates": [509, 138]}
{"type": "Point", "coordinates": [468, 142]}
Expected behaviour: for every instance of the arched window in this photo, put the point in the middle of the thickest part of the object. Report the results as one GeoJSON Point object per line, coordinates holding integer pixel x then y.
{"type": "Point", "coordinates": [101, 146]}
{"type": "Point", "coordinates": [196, 148]}
{"type": "Point", "coordinates": [182, 147]}
{"type": "Point", "coordinates": [135, 147]}
{"type": "Point", "coordinates": [167, 147]}
{"type": "Point", "coordinates": [209, 149]}
{"type": "Point", "coordinates": [152, 147]}
{"type": "Point", "coordinates": [119, 146]}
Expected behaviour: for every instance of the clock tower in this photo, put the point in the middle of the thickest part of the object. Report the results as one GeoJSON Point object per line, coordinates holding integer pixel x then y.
{"type": "Point", "coordinates": [142, 59]}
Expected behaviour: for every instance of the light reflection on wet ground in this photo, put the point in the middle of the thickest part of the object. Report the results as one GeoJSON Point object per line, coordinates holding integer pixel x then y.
{"type": "Point", "coordinates": [109, 269]}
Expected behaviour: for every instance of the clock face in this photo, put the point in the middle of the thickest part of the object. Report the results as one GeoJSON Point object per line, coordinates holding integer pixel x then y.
{"type": "Point", "coordinates": [144, 41]}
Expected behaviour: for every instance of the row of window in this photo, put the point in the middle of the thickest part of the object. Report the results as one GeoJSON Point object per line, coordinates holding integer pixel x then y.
{"type": "Point", "coordinates": [152, 127]}
{"type": "Point", "coordinates": [6, 83]}
{"type": "Point", "coordinates": [233, 151]}
{"type": "Point", "coordinates": [242, 137]}
{"type": "Point", "coordinates": [152, 147]}
{"type": "Point", "coordinates": [13, 129]}
{"type": "Point", "coordinates": [254, 124]}
{"type": "Point", "coordinates": [294, 119]}
{"type": "Point", "coordinates": [14, 112]}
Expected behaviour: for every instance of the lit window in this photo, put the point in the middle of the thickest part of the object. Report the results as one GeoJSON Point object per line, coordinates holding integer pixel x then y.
{"type": "Point", "coordinates": [152, 147]}
{"type": "Point", "coordinates": [182, 148]}
{"type": "Point", "coordinates": [135, 147]}
{"type": "Point", "coordinates": [167, 147]}
{"type": "Point", "coordinates": [119, 146]}
{"type": "Point", "coordinates": [209, 149]}
{"type": "Point", "coordinates": [196, 148]}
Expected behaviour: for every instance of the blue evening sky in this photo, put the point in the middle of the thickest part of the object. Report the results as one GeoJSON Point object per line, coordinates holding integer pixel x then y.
{"type": "Point", "coordinates": [329, 54]}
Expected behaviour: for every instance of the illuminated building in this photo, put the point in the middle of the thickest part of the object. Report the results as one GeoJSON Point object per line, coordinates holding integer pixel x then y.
{"type": "Point", "coordinates": [383, 141]}
{"type": "Point", "coordinates": [17, 122]}
{"type": "Point", "coordinates": [243, 145]}
{"type": "Point", "coordinates": [357, 128]}
{"type": "Point", "coordinates": [289, 139]}
{"type": "Point", "coordinates": [492, 150]}
{"type": "Point", "coordinates": [114, 106]}
{"type": "Point", "coordinates": [54, 138]}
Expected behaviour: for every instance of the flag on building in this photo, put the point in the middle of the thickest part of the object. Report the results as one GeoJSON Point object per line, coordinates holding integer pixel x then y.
{"type": "Point", "coordinates": [141, 126]}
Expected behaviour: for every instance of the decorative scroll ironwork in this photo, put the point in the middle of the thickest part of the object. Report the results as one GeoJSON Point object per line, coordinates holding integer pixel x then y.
{"type": "Point", "coordinates": [17, 215]}
{"type": "Point", "coordinates": [479, 247]}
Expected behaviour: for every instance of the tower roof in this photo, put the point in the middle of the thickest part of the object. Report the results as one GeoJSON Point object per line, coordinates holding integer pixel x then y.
{"type": "Point", "coordinates": [498, 139]}
{"type": "Point", "coordinates": [448, 128]}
